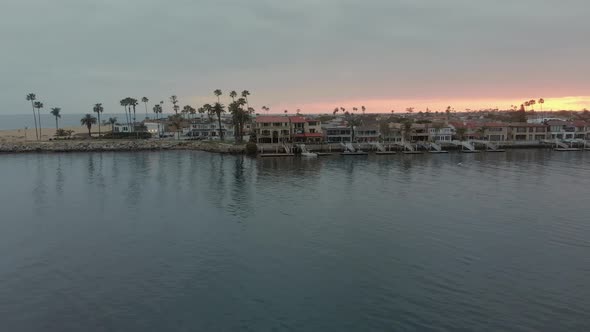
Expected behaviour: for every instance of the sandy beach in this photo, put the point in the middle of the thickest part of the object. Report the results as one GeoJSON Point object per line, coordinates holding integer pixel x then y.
{"type": "Point", "coordinates": [22, 135]}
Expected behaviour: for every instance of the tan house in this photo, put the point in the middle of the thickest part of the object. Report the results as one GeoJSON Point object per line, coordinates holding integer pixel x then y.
{"type": "Point", "coordinates": [283, 129]}
{"type": "Point", "coordinates": [532, 132]}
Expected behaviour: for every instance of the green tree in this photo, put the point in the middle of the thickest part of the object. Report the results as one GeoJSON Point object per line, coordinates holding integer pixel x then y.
{"type": "Point", "coordinates": [407, 130]}
{"type": "Point", "coordinates": [88, 120]}
{"type": "Point", "coordinates": [39, 105]}
{"type": "Point", "coordinates": [32, 97]}
{"type": "Point", "coordinates": [461, 132]}
{"type": "Point", "coordinates": [145, 100]}
{"type": "Point", "coordinates": [217, 110]}
{"type": "Point", "coordinates": [55, 112]}
{"type": "Point", "coordinates": [98, 109]}
{"type": "Point", "coordinates": [177, 123]}
{"type": "Point", "coordinates": [239, 117]}
{"type": "Point", "coordinates": [233, 95]}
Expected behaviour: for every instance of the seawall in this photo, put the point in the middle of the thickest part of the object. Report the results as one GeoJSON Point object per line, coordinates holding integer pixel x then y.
{"type": "Point", "coordinates": [118, 145]}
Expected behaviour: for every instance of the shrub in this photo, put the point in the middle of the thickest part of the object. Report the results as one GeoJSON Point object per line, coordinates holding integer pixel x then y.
{"type": "Point", "coordinates": [251, 148]}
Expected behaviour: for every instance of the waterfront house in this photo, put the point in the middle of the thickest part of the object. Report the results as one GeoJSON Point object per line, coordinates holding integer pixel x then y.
{"type": "Point", "coordinates": [306, 130]}
{"type": "Point", "coordinates": [494, 131]}
{"type": "Point", "coordinates": [337, 131]}
{"type": "Point", "coordinates": [559, 129]}
{"type": "Point", "coordinates": [528, 132]}
{"type": "Point", "coordinates": [440, 132]}
{"type": "Point", "coordinates": [206, 128]}
{"type": "Point", "coordinates": [366, 133]}
{"type": "Point", "coordinates": [153, 127]}
{"type": "Point", "coordinates": [581, 129]}
{"type": "Point", "coordinates": [282, 129]}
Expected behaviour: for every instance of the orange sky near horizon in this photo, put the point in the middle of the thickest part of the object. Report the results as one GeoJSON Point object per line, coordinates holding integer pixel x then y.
{"type": "Point", "coordinates": [575, 103]}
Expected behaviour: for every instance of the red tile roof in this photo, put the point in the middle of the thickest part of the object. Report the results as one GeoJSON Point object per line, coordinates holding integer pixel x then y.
{"type": "Point", "coordinates": [297, 119]}
{"type": "Point", "coordinates": [271, 118]}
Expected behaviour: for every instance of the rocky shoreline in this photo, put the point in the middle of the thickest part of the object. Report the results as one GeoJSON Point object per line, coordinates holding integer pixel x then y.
{"type": "Point", "coordinates": [119, 145]}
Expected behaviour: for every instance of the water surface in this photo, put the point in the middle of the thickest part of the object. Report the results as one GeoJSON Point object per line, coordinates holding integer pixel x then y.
{"type": "Point", "coordinates": [185, 241]}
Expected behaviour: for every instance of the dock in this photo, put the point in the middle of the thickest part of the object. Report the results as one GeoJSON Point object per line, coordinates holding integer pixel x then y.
{"type": "Point", "coordinates": [276, 155]}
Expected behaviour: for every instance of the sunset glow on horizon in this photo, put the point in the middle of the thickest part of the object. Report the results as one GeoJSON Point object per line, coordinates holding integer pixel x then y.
{"type": "Point", "coordinates": [572, 103]}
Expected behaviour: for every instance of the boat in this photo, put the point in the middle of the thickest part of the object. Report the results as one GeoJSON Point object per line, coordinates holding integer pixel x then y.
{"type": "Point", "coordinates": [309, 154]}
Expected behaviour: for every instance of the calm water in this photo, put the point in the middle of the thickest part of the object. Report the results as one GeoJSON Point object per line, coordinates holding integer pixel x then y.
{"type": "Point", "coordinates": [190, 241]}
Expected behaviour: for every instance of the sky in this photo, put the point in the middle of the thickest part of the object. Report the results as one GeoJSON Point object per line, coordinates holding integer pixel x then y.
{"type": "Point", "coordinates": [311, 55]}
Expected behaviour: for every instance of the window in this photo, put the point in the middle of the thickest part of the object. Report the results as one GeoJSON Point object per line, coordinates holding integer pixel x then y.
{"type": "Point", "coordinates": [312, 131]}
{"type": "Point", "coordinates": [540, 129]}
{"type": "Point", "coordinates": [521, 130]}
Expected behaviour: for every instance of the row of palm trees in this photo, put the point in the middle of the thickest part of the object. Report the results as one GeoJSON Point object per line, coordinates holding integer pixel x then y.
{"type": "Point", "coordinates": [239, 109]}
{"type": "Point", "coordinates": [38, 105]}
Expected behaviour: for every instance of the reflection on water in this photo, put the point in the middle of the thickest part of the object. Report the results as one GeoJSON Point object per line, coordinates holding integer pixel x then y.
{"type": "Point", "coordinates": [195, 241]}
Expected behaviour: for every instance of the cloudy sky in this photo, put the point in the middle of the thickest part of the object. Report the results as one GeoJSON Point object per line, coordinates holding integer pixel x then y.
{"type": "Point", "coordinates": [307, 54]}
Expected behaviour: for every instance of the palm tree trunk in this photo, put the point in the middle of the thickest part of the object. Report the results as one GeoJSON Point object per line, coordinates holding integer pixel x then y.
{"type": "Point", "coordinates": [146, 115]}
{"type": "Point", "coordinates": [98, 124]}
{"type": "Point", "coordinates": [35, 117]}
{"type": "Point", "coordinates": [220, 130]}
{"type": "Point", "coordinates": [89, 134]}
{"type": "Point", "coordinates": [56, 126]}
{"type": "Point", "coordinates": [39, 116]}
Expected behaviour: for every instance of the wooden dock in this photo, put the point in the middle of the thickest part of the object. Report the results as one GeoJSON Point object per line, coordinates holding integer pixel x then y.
{"type": "Point", "coordinates": [380, 153]}
{"type": "Point", "coordinates": [567, 149]}
{"type": "Point", "coordinates": [264, 155]}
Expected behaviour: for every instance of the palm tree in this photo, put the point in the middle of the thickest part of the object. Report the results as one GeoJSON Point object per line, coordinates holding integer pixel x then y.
{"type": "Point", "coordinates": [218, 109]}
{"type": "Point", "coordinates": [335, 111]}
{"type": "Point", "coordinates": [158, 110]}
{"type": "Point", "coordinates": [55, 112]}
{"type": "Point", "coordinates": [145, 100]}
{"type": "Point", "coordinates": [174, 101]}
{"type": "Point", "coordinates": [541, 102]}
{"type": "Point", "coordinates": [531, 103]}
{"type": "Point", "coordinates": [233, 95]}
{"type": "Point", "coordinates": [207, 108]}
{"type": "Point", "coordinates": [353, 121]}
{"type": "Point", "coordinates": [88, 120]}
{"type": "Point", "coordinates": [38, 105]}
{"type": "Point", "coordinates": [217, 93]}
{"type": "Point", "coordinates": [363, 109]}
{"type": "Point", "coordinates": [239, 116]}
{"type": "Point", "coordinates": [245, 95]}
{"type": "Point", "coordinates": [123, 103]}
{"type": "Point", "coordinates": [266, 109]}
{"type": "Point", "coordinates": [31, 97]}
{"type": "Point", "coordinates": [112, 121]}
{"type": "Point", "coordinates": [133, 102]}
{"type": "Point", "coordinates": [410, 110]}
{"type": "Point", "coordinates": [98, 109]}
{"type": "Point", "coordinates": [448, 112]}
